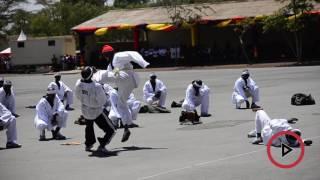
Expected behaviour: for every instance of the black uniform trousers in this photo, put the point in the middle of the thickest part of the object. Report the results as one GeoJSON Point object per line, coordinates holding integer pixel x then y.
{"type": "Point", "coordinates": [104, 123]}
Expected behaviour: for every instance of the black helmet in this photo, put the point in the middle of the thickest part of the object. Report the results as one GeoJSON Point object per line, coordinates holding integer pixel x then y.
{"type": "Point", "coordinates": [87, 73]}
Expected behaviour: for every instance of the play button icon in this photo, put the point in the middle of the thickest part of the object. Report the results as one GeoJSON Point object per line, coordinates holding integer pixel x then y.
{"type": "Point", "coordinates": [285, 149]}
{"type": "Point", "coordinates": [285, 163]}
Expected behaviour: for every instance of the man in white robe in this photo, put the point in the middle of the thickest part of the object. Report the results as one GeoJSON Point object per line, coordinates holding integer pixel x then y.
{"type": "Point", "coordinates": [63, 91]}
{"type": "Point", "coordinates": [7, 97]}
{"type": "Point", "coordinates": [50, 113]}
{"type": "Point", "coordinates": [93, 98]}
{"type": "Point", "coordinates": [197, 94]}
{"type": "Point", "coordinates": [154, 91]}
{"type": "Point", "coordinates": [8, 121]}
{"type": "Point", "coordinates": [121, 72]}
{"type": "Point", "coordinates": [245, 87]}
{"type": "Point", "coordinates": [266, 127]}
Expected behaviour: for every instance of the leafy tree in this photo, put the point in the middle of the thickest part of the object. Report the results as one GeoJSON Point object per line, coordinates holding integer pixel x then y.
{"type": "Point", "coordinates": [291, 18]}
{"type": "Point", "coordinates": [6, 14]}
{"type": "Point", "coordinates": [59, 18]}
{"type": "Point", "coordinates": [180, 13]}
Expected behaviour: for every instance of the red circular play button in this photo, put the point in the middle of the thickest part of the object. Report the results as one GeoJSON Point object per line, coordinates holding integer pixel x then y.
{"type": "Point", "coordinates": [285, 149]}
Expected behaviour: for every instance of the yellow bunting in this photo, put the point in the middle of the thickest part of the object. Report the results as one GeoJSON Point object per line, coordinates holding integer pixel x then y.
{"type": "Point", "coordinates": [259, 17]}
{"type": "Point", "coordinates": [125, 27]}
{"type": "Point", "coordinates": [224, 23]}
{"type": "Point", "coordinates": [101, 31]}
{"type": "Point", "coordinates": [158, 27]}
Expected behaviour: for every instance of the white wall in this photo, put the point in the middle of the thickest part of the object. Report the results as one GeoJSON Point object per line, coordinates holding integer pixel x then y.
{"type": "Point", "coordinates": [38, 52]}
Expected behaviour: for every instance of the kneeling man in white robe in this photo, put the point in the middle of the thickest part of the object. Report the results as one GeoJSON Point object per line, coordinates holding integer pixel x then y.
{"type": "Point", "coordinates": [50, 112]}
{"type": "Point", "coordinates": [154, 91]}
{"type": "Point", "coordinates": [63, 91]}
{"type": "Point", "coordinates": [8, 121]}
{"type": "Point", "coordinates": [197, 94]}
{"type": "Point", "coordinates": [245, 87]}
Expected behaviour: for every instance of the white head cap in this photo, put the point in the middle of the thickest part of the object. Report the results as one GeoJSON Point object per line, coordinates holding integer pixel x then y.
{"type": "Point", "coordinates": [245, 72]}
{"type": "Point", "coordinates": [51, 90]}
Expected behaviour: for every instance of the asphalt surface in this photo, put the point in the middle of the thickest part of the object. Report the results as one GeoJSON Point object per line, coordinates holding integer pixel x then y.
{"type": "Point", "coordinates": [163, 149]}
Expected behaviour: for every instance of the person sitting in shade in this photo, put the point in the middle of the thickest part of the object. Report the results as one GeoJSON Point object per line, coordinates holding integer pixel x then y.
{"type": "Point", "coordinates": [63, 91]}
{"type": "Point", "coordinates": [50, 112]}
{"type": "Point", "coordinates": [267, 127]}
{"type": "Point", "coordinates": [154, 91]}
{"type": "Point", "coordinates": [7, 97]}
{"type": "Point", "coordinates": [8, 121]}
{"type": "Point", "coordinates": [244, 88]}
{"type": "Point", "coordinates": [197, 94]}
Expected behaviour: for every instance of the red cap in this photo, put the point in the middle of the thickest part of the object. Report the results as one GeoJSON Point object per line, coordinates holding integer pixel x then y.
{"type": "Point", "coordinates": [106, 49]}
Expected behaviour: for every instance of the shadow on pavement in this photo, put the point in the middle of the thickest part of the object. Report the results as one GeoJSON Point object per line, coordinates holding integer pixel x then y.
{"type": "Point", "coordinates": [116, 151]}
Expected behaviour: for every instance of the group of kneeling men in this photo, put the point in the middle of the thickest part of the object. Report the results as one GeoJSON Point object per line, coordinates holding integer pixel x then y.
{"type": "Point", "coordinates": [109, 107]}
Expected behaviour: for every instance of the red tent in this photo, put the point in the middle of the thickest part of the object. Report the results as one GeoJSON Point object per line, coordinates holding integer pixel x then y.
{"type": "Point", "coordinates": [6, 52]}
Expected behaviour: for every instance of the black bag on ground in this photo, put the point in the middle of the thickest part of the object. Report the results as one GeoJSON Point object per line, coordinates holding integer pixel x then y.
{"type": "Point", "coordinates": [300, 99]}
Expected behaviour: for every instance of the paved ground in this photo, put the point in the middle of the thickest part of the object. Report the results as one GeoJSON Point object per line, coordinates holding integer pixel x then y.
{"type": "Point", "coordinates": [162, 149]}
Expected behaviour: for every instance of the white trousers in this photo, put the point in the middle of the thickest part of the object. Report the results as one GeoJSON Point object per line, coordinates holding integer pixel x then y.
{"type": "Point", "coordinates": [261, 120]}
{"type": "Point", "coordinates": [161, 101]}
{"type": "Point", "coordinates": [113, 103]}
{"type": "Point", "coordinates": [61, 122]}
{"type": "Point", "coordinates": [238, 99]}
{"type": "Point", "coordinates": [201, 100]}
{"type": "Point", "coordinates": [125, 87]}
{"type": "Point", "coordinates": [134, 107]}
{"type": "Point", "coordinates": [10, 125]}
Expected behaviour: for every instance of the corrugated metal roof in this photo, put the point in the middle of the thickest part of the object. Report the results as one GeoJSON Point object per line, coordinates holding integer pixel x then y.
{"type": "Point", "coordinates": [152, 15]}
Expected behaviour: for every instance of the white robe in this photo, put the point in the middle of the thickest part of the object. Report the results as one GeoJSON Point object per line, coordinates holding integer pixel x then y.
{"type": "Point", "coordinates": [134, 106]}
{"type": "Point", "coordinates": [148, 93]}
{"type": "Point", "coordinates": [45, 113]}
{"type": "Point", "coordinates": [112, 102]}
{"type": "Point", "coordinates": [8, 121]}
{"type": "Point", "coordinates": [239, 95]}
{"type": "Point", "coordinates": [92, 98]}
{"type": "Point", "coordinates": [121, 61]}
{"type": "Point", "coordinates": [64, 89]}
{"type": "Point", "coordinates": [191, 101]}
{"type": "Point", "coordinates": [269, 127]}
{"type": "Point", "coordinates": [8, 101]}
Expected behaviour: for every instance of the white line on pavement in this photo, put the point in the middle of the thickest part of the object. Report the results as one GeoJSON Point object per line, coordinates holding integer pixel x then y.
{"type": "Point", "coordinates": [208, 162]}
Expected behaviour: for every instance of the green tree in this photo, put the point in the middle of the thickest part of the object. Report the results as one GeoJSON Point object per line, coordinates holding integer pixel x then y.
{"type": "Point", "coordinates": [59, 18]}
{"type": "Point", "coordinates": [180, 13]}
{"type": "Point", "coordinates": [291, 18]}
{"type": "Point", "coordinates": [7, 11]}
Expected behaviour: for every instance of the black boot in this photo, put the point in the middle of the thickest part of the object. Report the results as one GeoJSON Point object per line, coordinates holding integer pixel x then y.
{"type": "Point", "coordinates": [126, 134]}
{"type": "Point", "coordinates": [254, 106]}
{"type": "Point", "coordinates": [258, 140]}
